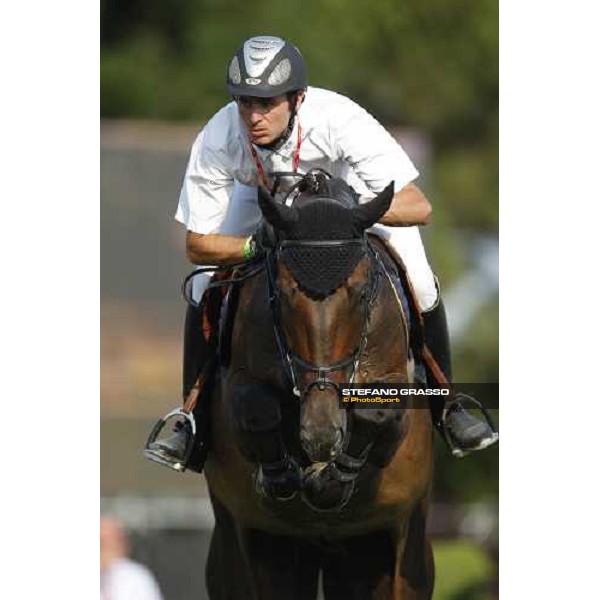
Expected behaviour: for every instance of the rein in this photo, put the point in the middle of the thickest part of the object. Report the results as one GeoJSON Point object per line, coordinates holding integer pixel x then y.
{"type": "Point", "coordinates": [240, 275]}
{"type": "Point", "coordinates": [291, 360]}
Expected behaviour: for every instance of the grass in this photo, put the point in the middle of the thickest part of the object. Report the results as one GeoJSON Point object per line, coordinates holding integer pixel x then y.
{"type": "Point", "coordinates": [462, 570]}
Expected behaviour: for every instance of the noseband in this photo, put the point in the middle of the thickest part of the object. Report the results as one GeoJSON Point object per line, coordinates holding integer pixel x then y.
{"type": "Point", "coordinates": [295, 365]}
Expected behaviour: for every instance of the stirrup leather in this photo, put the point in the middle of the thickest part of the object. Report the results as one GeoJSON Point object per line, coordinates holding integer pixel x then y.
{"type": "Point", "coordinates": [162, 458]}
{"type": "Point", "coordinates": [454, 447]}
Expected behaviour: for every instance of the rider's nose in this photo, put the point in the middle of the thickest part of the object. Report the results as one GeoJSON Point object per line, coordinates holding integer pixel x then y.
{"type": "Point", "coordinates": [255, 117]}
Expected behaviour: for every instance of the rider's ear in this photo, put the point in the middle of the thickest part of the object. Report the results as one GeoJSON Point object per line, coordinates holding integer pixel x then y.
{"type": "Point", "coordinates": [369, 213]}
{"type": "Point", "coordinates": [277, 214]}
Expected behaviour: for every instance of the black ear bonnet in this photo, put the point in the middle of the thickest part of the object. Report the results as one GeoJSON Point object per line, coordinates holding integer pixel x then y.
{"type": "Point", "coordinates": [325, 210]}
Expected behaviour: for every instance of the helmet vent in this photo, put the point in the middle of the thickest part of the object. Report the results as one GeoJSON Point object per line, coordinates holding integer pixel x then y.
{"type": "Point", "coordinates": [234, 71]}
{"type": "Point", "coordinates": [259, 52]}
{"type": "Point", "coordinates": [281, 72]}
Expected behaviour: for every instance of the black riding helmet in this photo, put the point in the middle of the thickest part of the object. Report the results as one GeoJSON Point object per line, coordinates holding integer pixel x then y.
{"type": "Point", "coordinates": [266, 66]}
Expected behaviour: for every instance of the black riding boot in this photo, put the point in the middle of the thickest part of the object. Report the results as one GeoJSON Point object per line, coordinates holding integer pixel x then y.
{"type": "Point", "coordinates": [196, 352]}
{"type": "Point", "coordinates": [467, 432]}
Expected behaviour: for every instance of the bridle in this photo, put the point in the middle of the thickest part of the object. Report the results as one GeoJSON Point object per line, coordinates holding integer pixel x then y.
{"type": "Point", "coordinates": [294, 364]}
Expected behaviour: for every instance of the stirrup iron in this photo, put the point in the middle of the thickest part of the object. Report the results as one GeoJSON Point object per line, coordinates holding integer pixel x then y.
{"type": "Point", "coordinates": [163, 458]}
{"type": "Point", "coordinates": [454, 448]}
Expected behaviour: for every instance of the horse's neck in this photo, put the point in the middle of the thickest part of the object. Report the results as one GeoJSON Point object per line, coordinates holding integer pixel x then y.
{"type": "Point", "coordinates": [253, 340]}
{"type": "Point", "coordinates": [387, 351]}
{"type": "Point", "coordinates": [387, 314]}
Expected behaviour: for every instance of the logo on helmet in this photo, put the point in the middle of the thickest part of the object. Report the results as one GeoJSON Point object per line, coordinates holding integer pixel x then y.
{"type": "Point", "coordinates": [252, 81]}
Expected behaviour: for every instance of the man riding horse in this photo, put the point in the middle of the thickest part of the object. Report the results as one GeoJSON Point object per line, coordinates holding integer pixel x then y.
{"type": "Point", "coordinates": [277, 124]}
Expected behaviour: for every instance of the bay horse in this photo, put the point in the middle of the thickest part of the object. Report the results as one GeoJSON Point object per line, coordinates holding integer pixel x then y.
{"type": "Point", "coordinates": [302, 487]}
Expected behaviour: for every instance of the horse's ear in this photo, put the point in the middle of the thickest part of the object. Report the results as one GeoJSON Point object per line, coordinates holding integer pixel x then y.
{"type": "Point", "coordinates": [278, 215]}
{"type": "Point", "coordinates": [369, 213]}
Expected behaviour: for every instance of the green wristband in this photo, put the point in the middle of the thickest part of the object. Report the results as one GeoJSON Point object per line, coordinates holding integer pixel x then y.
{"type": "Point", "coordinates": [248, 248]}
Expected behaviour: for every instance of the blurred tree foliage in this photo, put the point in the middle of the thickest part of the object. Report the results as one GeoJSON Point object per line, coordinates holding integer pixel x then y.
{"type": "Point", "coordinates": [425, 64]}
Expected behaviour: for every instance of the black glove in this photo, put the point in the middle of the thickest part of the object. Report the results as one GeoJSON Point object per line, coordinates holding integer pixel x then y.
{"type": "Point", "coordinates": [263, 239]}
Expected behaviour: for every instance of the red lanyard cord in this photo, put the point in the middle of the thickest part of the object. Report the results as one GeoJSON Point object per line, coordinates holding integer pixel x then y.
{"type": "Point", "coordinates": [259, 166]}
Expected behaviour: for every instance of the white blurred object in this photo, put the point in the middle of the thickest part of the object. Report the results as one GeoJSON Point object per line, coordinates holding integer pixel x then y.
{"type": "Point", "coordinates": [125, 579]}
{"type": "Point", "coordinates": [120, 577]}
{"type": "Point", "coordinates": [479, 523]}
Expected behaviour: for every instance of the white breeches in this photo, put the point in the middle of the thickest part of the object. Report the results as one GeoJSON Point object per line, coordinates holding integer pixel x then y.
{"type": "Point", "coordinates": [243, 217]}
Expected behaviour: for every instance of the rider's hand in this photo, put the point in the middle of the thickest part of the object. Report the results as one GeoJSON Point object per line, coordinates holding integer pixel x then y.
{"type": "Point", "coordinates": [263, 239]}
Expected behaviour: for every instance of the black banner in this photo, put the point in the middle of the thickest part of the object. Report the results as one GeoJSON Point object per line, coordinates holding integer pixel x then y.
{"type": "Point", "coordinates": [377, 394]}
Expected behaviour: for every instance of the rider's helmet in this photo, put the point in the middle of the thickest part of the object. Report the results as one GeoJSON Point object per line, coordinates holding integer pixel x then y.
{"type": "Point", "coordinates": [266, 66]}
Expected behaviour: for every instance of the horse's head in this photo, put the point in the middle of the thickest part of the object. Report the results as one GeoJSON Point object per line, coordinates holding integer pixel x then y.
{"type": "Point", "coordinates": [323, 285]}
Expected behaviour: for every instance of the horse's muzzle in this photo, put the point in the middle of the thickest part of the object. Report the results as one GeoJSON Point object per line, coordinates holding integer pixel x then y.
{"type": "Point", "coordinates": [321, 444]}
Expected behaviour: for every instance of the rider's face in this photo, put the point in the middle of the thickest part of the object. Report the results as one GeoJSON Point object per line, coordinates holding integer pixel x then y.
{"type": "Point", "coordinates": [265, 118]}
